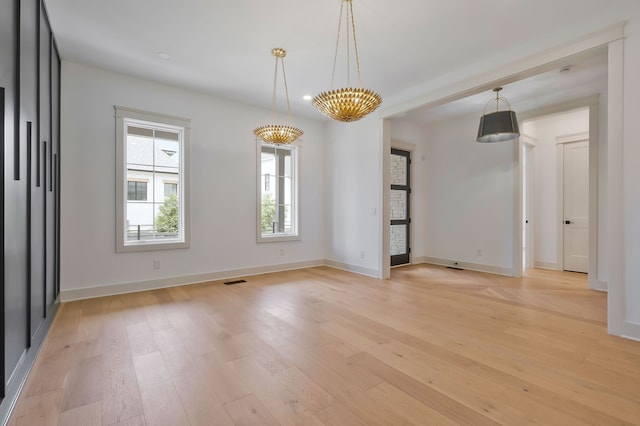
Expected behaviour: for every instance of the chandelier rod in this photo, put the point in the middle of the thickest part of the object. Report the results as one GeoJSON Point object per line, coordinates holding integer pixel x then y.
{"type": "Point", "coordinates": [335, 56]}
{"type": "Point", "coordinates": [286, 89]}
{"type": "Point", "coordinates": [355, 43]}
{"type": "Point", "coordinates": [273, 95]}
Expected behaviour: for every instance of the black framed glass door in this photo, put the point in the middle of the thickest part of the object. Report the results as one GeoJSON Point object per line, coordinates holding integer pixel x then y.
{"type": "Point", "coordinates": [400, 199]}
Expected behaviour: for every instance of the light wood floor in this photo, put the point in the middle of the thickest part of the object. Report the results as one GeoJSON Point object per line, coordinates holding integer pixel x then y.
{"type": "Point", "coordinates": [321, 346]}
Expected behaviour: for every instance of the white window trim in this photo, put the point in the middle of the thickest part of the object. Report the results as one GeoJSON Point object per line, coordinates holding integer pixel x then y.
{"type": "Point", "coordinates": [294, 193]}
{"type": "Point", "coordinates": [122, 114]}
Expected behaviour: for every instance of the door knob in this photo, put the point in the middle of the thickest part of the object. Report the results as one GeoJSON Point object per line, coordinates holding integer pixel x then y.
{"type": "Point", "coordinates": [567, 222]}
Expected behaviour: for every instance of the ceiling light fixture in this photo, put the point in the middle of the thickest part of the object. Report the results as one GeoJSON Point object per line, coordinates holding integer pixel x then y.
{"type": "Point", "coordinates": [498, 126]}
{"type": "Point", "coordinates": [349, 103]}
{"type": "Point", "coordinates": [278, 133]}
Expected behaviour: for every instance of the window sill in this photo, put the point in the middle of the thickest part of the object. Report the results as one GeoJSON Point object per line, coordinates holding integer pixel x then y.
{"type": "Point", "coordinates": [152, 246]}
{"type": "Point", "coordinates": [278, 238]}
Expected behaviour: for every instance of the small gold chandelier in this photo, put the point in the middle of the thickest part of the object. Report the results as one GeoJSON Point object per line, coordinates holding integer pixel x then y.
{"type": "Point", "coordinates": [278, 133]}
{"type": "Point", "coordinates": [349, 103]}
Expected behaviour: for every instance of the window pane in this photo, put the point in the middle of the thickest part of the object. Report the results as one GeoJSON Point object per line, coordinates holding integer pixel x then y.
{"type": "Point", "coordinates": [277, 208]}
{"type": "Point", "coordinates": [286, 155]}
{"type": "Point", "coordinates": [167, 218]}
{"type": "Point", "coordinates": [268, 217]}
{"type": "Point", "coordinates": [398, 169]}
{"type": "Point", "coordinates": [398, 239]}
{"type": "Point", "coordinates": [288, 219]}
{"type": "Point", "coordinates": [139, 221]}
{"type": "Point", "coordinates": [131, 190]}
{"type": "Point", "coordinates": [398, 204]}
{"type": "Point", "coordinates": [153, 157]}
{"type": "Point", "coordinates": [170, 189]}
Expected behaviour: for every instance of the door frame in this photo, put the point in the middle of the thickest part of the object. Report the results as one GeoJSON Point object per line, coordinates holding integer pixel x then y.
{"type": "Point", "coordinates": [409, 204]}
{"type": "Point", "coordinates": [528, 215]}
{"type": "Point", "coordinates": [387, 143]}
{"type": "Point", "coordinates": [592, 103]}
{"type": "Point", "coordinates": [560, 146]}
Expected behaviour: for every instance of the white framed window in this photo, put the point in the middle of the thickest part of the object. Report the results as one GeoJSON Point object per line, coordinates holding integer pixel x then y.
{"type": "Point", "coordinates": [277, 195]}
{"type": "Point", "coordinates": [152, 175]}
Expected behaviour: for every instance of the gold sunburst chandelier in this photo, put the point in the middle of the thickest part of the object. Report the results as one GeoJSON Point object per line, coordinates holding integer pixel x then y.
{"type": "Point", "coordinates": [278, 133]}
{"type": "Point", "coordinates": [349, 103]}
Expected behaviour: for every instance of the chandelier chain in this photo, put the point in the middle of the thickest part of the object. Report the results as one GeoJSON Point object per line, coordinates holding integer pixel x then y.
{"type": "Point", "coordinates": [335, 56]}
{"type": "Point", "coordinates": [355, 44]}
{"type": "Point", "coordinates": [286, 90]}
{"type": "Point", "coordinates": [273, 95]}
{"type": "Point", "coordinates": [349, 9]}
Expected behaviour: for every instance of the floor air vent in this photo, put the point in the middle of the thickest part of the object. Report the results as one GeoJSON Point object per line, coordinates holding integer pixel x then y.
{"type": "Point", "coordinates": [234, 282]}
{"type": "Point", "coordinates": [450, 267]}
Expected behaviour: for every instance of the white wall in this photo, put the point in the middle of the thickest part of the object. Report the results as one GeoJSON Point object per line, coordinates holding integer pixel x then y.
{"type": "Point", "coordinates": [631, 171]}
{"type": "Point", "coordinates": [353, 183]}
{"type": "Point", "coordinates": [545, 200]}
{"type": "Point", "coordinates": [223, 183]}
{"type": "Point", "coordinates": [469, 195]}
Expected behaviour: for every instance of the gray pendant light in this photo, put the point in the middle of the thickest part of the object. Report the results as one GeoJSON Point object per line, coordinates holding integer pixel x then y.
{"type": "Point", "coordinates": [498, 126]}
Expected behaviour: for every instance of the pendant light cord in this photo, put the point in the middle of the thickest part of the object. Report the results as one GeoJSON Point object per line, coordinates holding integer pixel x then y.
{"type": "Point", "coordinates": [286, 91]}
{"type": "Point", "coordinates": [355, 44]}
{"type": "Point", "coordinates": [335, 56]}
{"type": "Point", "coordinates": [273, 96]}
{"type": "Point", "coordinates": [350, 28]}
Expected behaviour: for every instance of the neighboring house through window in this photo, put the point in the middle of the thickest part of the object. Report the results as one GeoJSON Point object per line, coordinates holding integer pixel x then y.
{"type": "Point", "coordinates": [278, 197]}
{"type": "Point", "coordinates": [170, 188]}
{"type": "Point", "coordinates": [136, 190]}
{"type": "Point", "coordinates": [152, 163]}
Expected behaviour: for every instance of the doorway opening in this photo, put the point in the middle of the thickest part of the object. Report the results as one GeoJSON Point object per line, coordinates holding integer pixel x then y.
{"type": "Point", "coordinates": [556, 190]}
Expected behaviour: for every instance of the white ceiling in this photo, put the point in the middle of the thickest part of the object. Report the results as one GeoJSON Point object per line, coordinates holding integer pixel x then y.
{"type": "Point", "coordinates": [223, 48]}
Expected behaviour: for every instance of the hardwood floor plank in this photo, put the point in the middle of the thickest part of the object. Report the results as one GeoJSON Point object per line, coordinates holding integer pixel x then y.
{"type": "Point", "coordinates": [141, 339]}
{"type": "Point", "coordinates": [443, 404]}
{"type": "Point", "coordinates": [150, 368]}
{"type": "Point", "coordinates": [40, 410]}
{"type": "Point", "coordinates": [199, 401]}
{"type": "Point", "coordinates": [161, 404]}
{"type": "Point", "coordinates": [89, 415]}
{"type": "Point", "coordinates": [304, 389]}
{"type": "Point", "coordinates": [248, 411]}
{"type": "Point", "coordinates": [84, 384]}
{"type": "Point", "coordinates": [413, 411]}
{"type": "Point", "coordinates": [281, 404]}
{"type": "Point", "coordinates": [225, 383]}
{"type": "Point", "coordinates": [120, 392]}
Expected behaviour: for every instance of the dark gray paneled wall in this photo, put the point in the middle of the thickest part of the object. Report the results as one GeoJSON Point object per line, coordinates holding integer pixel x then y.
{"type": "Point", "coordinates": [30, 130]}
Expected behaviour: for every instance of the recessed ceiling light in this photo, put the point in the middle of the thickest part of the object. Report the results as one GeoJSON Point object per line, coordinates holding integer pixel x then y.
{"type": "Point", "coordinates": [307, 97]}
{"type": "Point", "coordinates": [163, 55]}
{"type": "Point", "coordinates": [566, 68]}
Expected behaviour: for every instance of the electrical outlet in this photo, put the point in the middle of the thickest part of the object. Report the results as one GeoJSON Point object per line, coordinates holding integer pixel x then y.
{"type": "Point", "coordinates": [478, 252]}
{"type": "Point", "coordinates": [281, 252]}
{"type": "Point", "coordinates": [362, 254]}
{"type": "Point", "coordinates": [156, 263]}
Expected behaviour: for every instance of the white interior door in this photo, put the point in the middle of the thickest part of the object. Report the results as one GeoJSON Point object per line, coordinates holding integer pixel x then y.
{"type": "Point", "coordinates": [576, 206]}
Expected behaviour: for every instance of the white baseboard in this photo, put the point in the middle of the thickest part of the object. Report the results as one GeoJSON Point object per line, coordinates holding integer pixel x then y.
{"type": "Point", "coordinates": [418, 259]}
{"type": "Point", "coordinates": [599, 285]}
{"type": "Point", "coordinates": [132, 287]}
{"type": "Point", "coordinates": [630, 330]}
{"type": "Point", "coordinates": [546, 265]}
{"type": "Point", "coordinates": [352, 268]}
{"type": "Point", "coordinates": [479, 267]}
